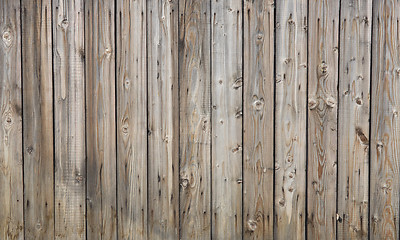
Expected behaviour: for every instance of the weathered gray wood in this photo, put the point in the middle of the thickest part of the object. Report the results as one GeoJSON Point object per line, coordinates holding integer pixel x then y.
{"type": "Point", "coordinates": [322, 118]}
{"type": "Point", "coordinates": [38, 119]}
{"type": "Point", "coordinates": [195, 119]}
{"type": "Point", "coordinates": [100, 117]}
{"type": "Point", "coordinates": [69, 118]}
{"type": "Point", "coordinates": [11, 179]}
{"type": "Point", "coordinates": [163, 119]}
{"type": "Point", "coordinates": [258, 128]}
{"type": "Point", "coordinates": [385, 123]}
{"type": "Point", "coordinates": [291, 119]}
{"type": "Point", "coordinates": [227, 81]}
{"type": "Point", "coordinates": [132, 119]}
{"type": "Point", "coordinates": [353, 132]}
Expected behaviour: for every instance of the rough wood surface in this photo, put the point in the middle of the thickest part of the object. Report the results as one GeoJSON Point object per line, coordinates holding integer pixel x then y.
{"type": "Point", "coordinates": [11, 168]}
{"type": "Point", "coordinates": [69, 118]}
{"type": "Point", "coordinates": [38, 119]}
{"type": "Point", "coordinates": [291, 119]}
{"type": "Point", "coordinates": [163, 119]}
{"type": "Point", "coordinates": [385, 123]}
{"type": "Point", "coordinates": [323, 71]}
{"type": "Point", "coordinates": [258, 122]}
{"type": "Point", "coordinates": [353, 132]}
{"type": "Point", "coordinates": [195, 119]}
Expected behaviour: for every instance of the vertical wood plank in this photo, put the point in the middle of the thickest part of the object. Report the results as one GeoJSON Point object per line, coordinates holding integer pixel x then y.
{"type": "Point", "coordinates": [163, 119]}
{"type": "Point", "coordinates": [69, 111]}
{"type": "Point", "coordinates": [291, 119]}
{"type": "Point", "coordinates": [227, 81]}
{"type": "Point", "coordinates": [100, 116]}
{"type": "Point", "coordinates": [385, 123]}
{"type": "Point", "coordinates": [195, 118]}
{"type": "Point", "coordinates": [322, 118]}
{"type": "Point", "coordinates": [353, 132]}
{"type": "Point", "coordinates": [38, 119]}
{"type": "Point", "coordinates": [11, 178]}
{"type": "Point", "coordinates": [132, 119]}
{"type": "Point", "coordinates": [258, 128]}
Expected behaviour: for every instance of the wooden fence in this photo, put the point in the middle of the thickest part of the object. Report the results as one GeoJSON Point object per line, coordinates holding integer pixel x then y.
{"type": "Point", "coordinates": [199, 119]}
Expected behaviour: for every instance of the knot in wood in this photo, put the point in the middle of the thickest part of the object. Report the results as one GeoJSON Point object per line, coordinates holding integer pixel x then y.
{"type": "Point", "coordinates": [398, 71]}
{"type": "Point", "coordinates": [258, 104]}
{"type": "Point", "coordinates": [184, 182]}
{"type": "Point", "coordinates": [79, 178]}
{"type": "Point", "coordinates": [251, 225]}
{"type": "Point", "coordinates": [29, 150]}
{"type": "Point", "coordinates": [322, 69]}
{"type": "Point", "coordinates": [330, 102]}
{"type": "Point", "coordinates": [238, 83]}
{"type": "Point", "coordinates": [312, 103]}
{"type": "Point", "coordinates": [237, 149]}
{"type": "Point", "coordinates": [7, 38]}
{"type": "Point", "coordinates": [358, 101]}
{"type": "Point", "coordinates": [108, 52]}
{"type": "Point", "coordinates": [127, 83]}
{"type": "Point", "coordinates": [64, 24]}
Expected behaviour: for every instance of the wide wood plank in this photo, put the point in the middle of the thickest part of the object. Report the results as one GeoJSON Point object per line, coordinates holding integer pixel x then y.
{"type": "Point", "coordinates": [323, 71]}
{"type": "Point", "coordinates": [163, 119]}
{"type": "Point", "coordinates": [100, 131]}
{"type": "Point", "coordinates": [11, 170]}
{"type": "Point", "coordinates": [385, 122]}
{"type": "Point", "coordinates": [195, 119]}
{"type": "Point", "coordinates": [227, 81]}
{"type": "Point", "coordinates": [291, 119]}
{"type": "Point", "coordinates": [353, 132]}
{"type": "Point", "coordinates": [258, 122]}
{"type": "Point", "coordinates": [38, 119]}
{"type": "Point", "coordinates": [69, 119]}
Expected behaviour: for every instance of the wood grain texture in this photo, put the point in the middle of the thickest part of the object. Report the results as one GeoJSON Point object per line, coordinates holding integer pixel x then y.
{"type": "Point", "coordinates": [11, 168]}
{"type": "Point", "coordinates": [195, 119]}
{"type": "Point", "coordinates": [353, 132]}
{"type": "Point", "coordinates": [385, 123]}
{"type": "Point", "coordinates": [323, 52]}
{"type": "Point", "coordinates": [291, 119]}
{"type": "Point", "coordinates": [100, 117]}
{"type": "Point", "coordinates": [258, 122]}
{"type": "Point", "coordinates": [227, 81]}
{"type": "Point", "coordinates": [132, 119]}
{"type": "Point", "coordinates": [163, 119]}
{"type": "Point", "coordinates": [38, 119]}
{"type": "Point", "coordinates": [69, 118]}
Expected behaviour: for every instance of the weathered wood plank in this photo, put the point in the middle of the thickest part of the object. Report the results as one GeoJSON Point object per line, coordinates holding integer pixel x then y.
{"type": "Point", "coordinates": [291, 119]}
{"type": "Point", "coordinates": [322, 118]}
{"type": "Point", "coordinates": [227, 81]}
{"type": "Point", "coordinates": [163, 119]}
{"type": "Point", "coordinates": [385, 123]}
{"type": "Point", "coordinates": [258, 122]}
{"type": "Point", "coordinates": [69, 111]}
{"type": "Point", "coordinates": [132, 119]}
{"type": "Point", "coordinates": [11, 177]}
{"type": "Point", "coordinates": [38, 119]}
{"type": "Point", "coordinates": [195, 119]}
{"type": "Point", "coordinates": [100, 116]}
{"type": "Point", "coordinates": [353, 132]}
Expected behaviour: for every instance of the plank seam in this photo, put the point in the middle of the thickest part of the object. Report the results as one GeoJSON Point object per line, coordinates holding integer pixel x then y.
{"type": "Point", "coordinates": [307, 123]}
{"type": "Point", "coordinates": [274, 124]}
{"type": "Point", "coordinates": [116, 111]}
{"type": "Point", "coordinates": [338, 118]}
{"type": "Point", "coordinates": [22, 118]}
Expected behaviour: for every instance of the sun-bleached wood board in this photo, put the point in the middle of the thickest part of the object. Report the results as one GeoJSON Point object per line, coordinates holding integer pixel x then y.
{"type": "Point", "coordinates": [38, 119]}
{"type": "Point", "coordinates": [195, 119]}
{"type": "Point", "coordinates": [101, 181]}
{"type": "Point", "coordinates": [163, 119]}
{"type": "Point", "coordinates": [353, 132]}
{"type": "Point", "coordinates": [69, 119]}
{"type": "Point", "coordinates": [291, 114]}
{"type": "Point", "coordinates": [11, 168]}
{"type": "Point", "coordinates": [131, 119]}
{"type": "Point", "coordinates": [227, 81]}
{"type": "Point", "coordinates": [323, 28]}
{"type": "Point", "coordinates": [385, 122]}
{"type": "Point", "coordinates": [258, 122]}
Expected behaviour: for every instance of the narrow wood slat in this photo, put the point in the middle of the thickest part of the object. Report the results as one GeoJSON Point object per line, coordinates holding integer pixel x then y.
{"type": "Point", "coordinates": [385, 123]}
{"type": "Point", "coordinates": [38, 119]}
{"type": "Point", "coordinates": [100, 117]}
{"type": "Point", "coordinates": [258, 122]}
{"type": "Point", "coordinates": [323, 53]}
{"type": "Point", "coordinates": [353, 132]}
{"type": "Point", "coordinates": [11, 168]}
{"type": "Point", "coordinates": [163, 119]}
{"type": "Point", "coordinates": [69, 118]}
{"type": "Point", "coordinates": [195, 118]}
{"type": "Point", "coordinates": [227, 81]}
{"type": "Point", "coordinates": [291, 119]}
